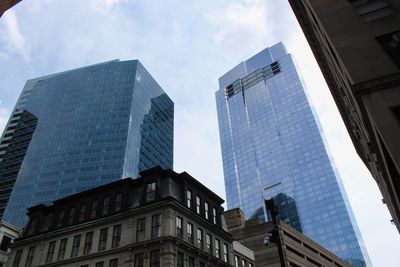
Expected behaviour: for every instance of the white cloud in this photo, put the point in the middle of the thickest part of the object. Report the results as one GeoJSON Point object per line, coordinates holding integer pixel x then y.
{"type": "Point", "coordinates": [16, 42]}
{"type": "Point", "coordinates": [103, 6]}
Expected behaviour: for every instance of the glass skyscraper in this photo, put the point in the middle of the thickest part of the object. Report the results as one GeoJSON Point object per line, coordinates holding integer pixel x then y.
{"type": "Point", "coordinates": [81, 128]}
{"type": "Point", "coordinates": [273, 147]}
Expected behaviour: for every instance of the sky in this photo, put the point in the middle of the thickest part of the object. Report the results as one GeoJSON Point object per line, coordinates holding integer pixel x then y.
{"type": "Point", "coordinates": [186, 46]}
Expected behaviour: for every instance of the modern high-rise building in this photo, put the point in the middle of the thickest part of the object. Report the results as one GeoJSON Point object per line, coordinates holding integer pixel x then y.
{"type": "Point", "coordinates": [273, 147]}
{"type": "Point", "coordinates": [357, 46]}
{"type": "Point", "coordinates": [79, 129]}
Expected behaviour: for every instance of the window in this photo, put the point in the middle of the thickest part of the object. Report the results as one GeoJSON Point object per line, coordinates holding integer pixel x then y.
{"type": "Point", "coordinates": [17, 258]}
{"type": "Point", "coordinates": [179, 230]}
{"type": "Point", "coordinates": [71, 216]}
{"type": "Point", "coordinates": [103, 239]}
{"type": "Point", "coordinates": [217, 249]}
{"type": "Point", "coordinates": [151, 191]}
{"type": "Point", "coordinates": [75, 246]}
{"type": "Point", "coordinates": [141, 229]}
{"type": "Point", "coordinates": [50, 252]}
{"type": "Point", "coordinates": [179, 261]}
{"type": "Point", "coordinates": [99, 264]}
{"type": "Point", "coordinates": [60, 220]}
{"type": "Point", "coordinates": [116, 238]}
{"type": "Point", "coordinates": [61, 249]}
{"type": "Point", "coordinates": [155, 258]}
{"type": "Point", "coordinates": [244, 263]}
{"type": "Point", "coordinates": [5, 242]}
{"type": "Point", "coordinates": [156, 226]}
{"type": "Point", "coordinates": [139, 260]}
{"type": "Point", "coordinates": [88, 243]}
{"type": "Point", "coordinates": [208, 243]}
{"type": "Point", "coordinates": [237, 261]}
{"type": "Point", "coordinates": [225, 252]}
{"type": "Point", "coordinates": [206, 210]}
{"type": "Point", "coordinates": [251, 264]}
{"type": "Point", "coordinates": [198, 201]}
{"type": "Point", "coordinates": [82, 212]}
{"type": "Point", "coordinates": [201, 264]}
{"type": "Point", "coordinates": [200, 238]}
{"type": "Point", "coordinates": [191, 262]}
{"type": "Point", "coordinates": [118, 202]}
{"type": "Point", "coordinates": [29, 258]}
{"type": "Point", "coordinates": [106, 205]}
{"type": "Point", "coordinates": [214, 216]}
{"type": "Point", "coordinates": [189, 199]}
{"type": "Point", "coordinates": [113, 263]}
{"type": "Point", "coordinates": [189, 231]}
{"type": "Point", "coordinates": [93, 210]}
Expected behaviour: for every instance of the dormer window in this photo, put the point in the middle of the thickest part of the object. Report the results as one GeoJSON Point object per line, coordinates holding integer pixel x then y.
{"type": "Point", "coordinates": [206, 210]}
{"type": "Point", "coordinates": [71, 216]}
{"type": "Point", "coordinates": [189, 199]}
{"type": "Point", "coordinates": [106, 205]}
{"type": "Point", "coordinates": [60, 218]}
{"type": "Point", "coordinates": [118, 201]}
{"type": "Point", "coordinates": [151, 191]}
{"type": "Point", "coordinates": [198, 203]}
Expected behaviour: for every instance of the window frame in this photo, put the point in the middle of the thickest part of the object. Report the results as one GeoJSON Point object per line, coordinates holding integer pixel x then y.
{"type": "Point", "coordinates": [87, 248]}
{"type": "Point", "coordinates": [156, 226]}
{"type": "Point", "coordinates": [50, 252]}
{"type": "Point", "coordinates": [141, 231]}
{"type": "Point", "coordinates": [116, 236]}
{"type": "Point", "coordinates": [103, 239]}
{"type": "Point", "coordinates": [75, 246]}
{"type": "Point", "coordinates": [62, 249]}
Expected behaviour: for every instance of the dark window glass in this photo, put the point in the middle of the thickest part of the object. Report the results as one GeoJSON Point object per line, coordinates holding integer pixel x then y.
{"type": "Point", "coordinates": [17, 258]}
{"type": "Point", "coordinates": [156, 226]}
{"type": "Point", "coordinates": [214, 215]}
{"type": "Point", "coordinates": [201, 264]}
{"type": "Point", "coordinates": [139, 262]}
{"type": "Point", "coordinates": [244, 264]}
{"type": "Point", "coordinates": [60, 219]}
{"type": "Point", "coordinates": [191, 262]}
{"type": "Point", "coordinates": [29, 258]}
{"type": "Point", "coordinates": [50, 252]}
{"type": "Point", "coordinates": [217, 249]}
{"type": "Point", "coordinates": [189, 199]}
{"type": "Point", "coordinates": [71, 216]}
{"type": "Point", "coordinates": [206, 210]}
{"type": "Point", "coordinates": [208, 243]}
{"type": "Point", "coordinates": [198, 204]}
{"type": "Point", "coordinates": [179, 261]}
{"type": "Point", "coordinates": [75, 246]}
{"type": "Point", "coordinates": [99, 264]}
{"type": "Point", "coordinates": [116, 236]}
{"type": "Point", "coordinates": [141, 229]}
{"type": "Point", "coordinates": [82, 212]}
{"type": "Point", "coordinates": [103, 239]}
{"type": "Point", "coordinates": [93, 210]}
{"type": "Point", "coordinates": [118, 202]}
{"type": "Point", "coordinates": [225, 253]}
{"type": "Point", "coordinates": [155, 258]}
{"type": "Point", "coordinates": [88, 243]}
{"type": "Point", "coordinates": [106, 205]}
{"type": "Point", "coordinates": [61, 249]}
{"type": "Point", "coordinates": [151, 191]}
{"type": "Point", "coordinates": [189, 230]}
{"type": "Point", "coordinates": [179, 230]}
{"type": "Point", "coordinates": [113, 263]}
{"type": "Point", "coordinates": [5, 242]}
{"type": "Point", "coordinates": [200, 238]}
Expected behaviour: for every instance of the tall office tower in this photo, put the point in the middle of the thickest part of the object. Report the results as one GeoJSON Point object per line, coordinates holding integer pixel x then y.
{"type": "Point", "coordinates": [357, 46]}
{"type": "Point", "coordinates": [273, 147]}
{"type": "Point", "coordinates": [78, 129]}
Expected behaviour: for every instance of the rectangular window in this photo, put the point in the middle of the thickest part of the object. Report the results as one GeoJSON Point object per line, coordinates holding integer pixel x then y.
{"type": "Point", "coordinates": [156, 226]}
{"type": "Point", "coordinates": [179, 261]}
{"type": "Point", "coordinates": [99, 264]}
{"type": "Point", "coordinates": [60, 219]}
{"type": "Point", "coordinates": [225, 252]}
{"type": "Point", "coordinates": [50, 252]}
{"type": "Point", "coordinates": [116, 238]}
{"type": "Point", "coordinates": [237, 261]}
{"type": "Point", "coordinates": [17, 258]}
{"type": "Point", "coordinates": [208, 243]}
{"type": "Point", "coordinates": [201, 264]}
{"type": "Point", "coordinates": [93, 210]}
{"type": "Point", "coordinates": [118, 202]}
{"type": "Point", "coordinates": [82, 212]}
{"type": "Point", "coordinates": [106, 205]}
{"type": "Point", "coordinates": [244, 263]}
{"type": "Point", "coordinates": [251, 264]}
{"type": "Point", "coordinates": [189, 199]}
{"type": "Point", "coordinates": [88, 243]}
{"type": "Point", "coordinates": [151, 191]}
{"type": "Point", "coordinates": [61, 249]}
{"type": "Point", "coordinates": [189, 231]}
{"type": "Point", "coordinates": [103, 239]}
{"type": "Point", "coordinates": [5, 242]}
{"type": "Point", "coordinates": [191, 262]}
{"type": "Point", "coordinates": [139, 261]}
{"type": "Point", "coordinates": [198, 203]}
{"type": "Point", "coordinates": [214, 216]}
{"type": "Point", "coordinates": [200, 238]}
{"type": "Point", "coordinates": [155, 258]}
{"type": "Point", "coordinates": [141, 229]}
{"type": "Point", "coordinates": [113, 263]}
{"type": "Point", "coordinates": [206, 210]}
{"type": "Point", "coordinates": [179, 230]}
{"type": "Point", "coordinates": [75, 246]}
{"type": "Point", "coordinates": [71, 216]}
{"type": "Point", "coordinates": [29, 258]}
{"type": "Point", "coordinates": [217, 249]}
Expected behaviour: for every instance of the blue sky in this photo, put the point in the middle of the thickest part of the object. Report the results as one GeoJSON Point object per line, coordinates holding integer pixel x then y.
{"type": "Point", "coordinates": [186, 46]}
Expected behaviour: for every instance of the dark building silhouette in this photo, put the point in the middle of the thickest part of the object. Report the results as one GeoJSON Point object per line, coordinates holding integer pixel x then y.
{"type": "Point", "coordinates": [7, 4]}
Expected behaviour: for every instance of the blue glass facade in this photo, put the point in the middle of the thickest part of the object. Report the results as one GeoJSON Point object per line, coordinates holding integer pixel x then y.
{"type": "Point", "coordinates": [94, 125]}
{"type": "Point", "coordinates": [273, 147]}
